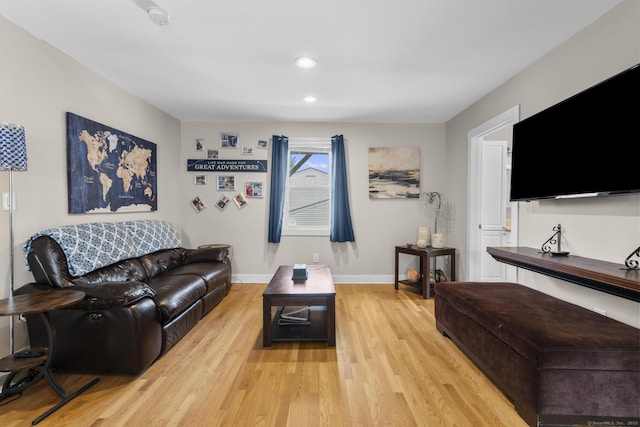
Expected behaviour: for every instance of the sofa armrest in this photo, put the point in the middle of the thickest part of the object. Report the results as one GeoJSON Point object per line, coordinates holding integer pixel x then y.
{"type": "Point", "coordinates": [218, 254]}
{"type": "Point", "coordinates": [100, 296]}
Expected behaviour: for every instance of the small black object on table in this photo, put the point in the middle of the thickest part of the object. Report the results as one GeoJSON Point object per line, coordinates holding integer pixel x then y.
{"type": "Point", "coordinates": [40, 366]}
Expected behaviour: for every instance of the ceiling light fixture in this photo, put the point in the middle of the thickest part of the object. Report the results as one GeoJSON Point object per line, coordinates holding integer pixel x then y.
{"type": "Point", "coordinates": [159, 16]}
{"type": "Point", "coordinates": [310, 99]}
{"type": "Point", "coordinates": [305, 62]}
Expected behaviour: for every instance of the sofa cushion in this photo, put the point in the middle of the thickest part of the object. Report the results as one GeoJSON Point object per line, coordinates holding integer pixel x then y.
{"type": "Point", "coordinates": [123, 271]}
{"type": "Point", "coordinates": [160, 262]}
{"type": "Point", "coordinates": [206, 254]}
{"type": "Point", "coordinates": [175, 293]}
{"type": "Point", "coordinates": [48, 263]}
{"type": "Point", "coordinates": [213, 277]}
{"type": "Point", "coordinates": [548, 332]}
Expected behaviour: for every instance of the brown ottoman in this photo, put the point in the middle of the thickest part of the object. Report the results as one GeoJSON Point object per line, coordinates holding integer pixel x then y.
{"type": "Point", "coordinates": [553, 359]}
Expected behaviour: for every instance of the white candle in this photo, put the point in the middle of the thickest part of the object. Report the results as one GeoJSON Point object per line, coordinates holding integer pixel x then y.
{"type": "Point", "coordinates": [437, 240]}
{"type": "Point", "coordinates": [424, 236]}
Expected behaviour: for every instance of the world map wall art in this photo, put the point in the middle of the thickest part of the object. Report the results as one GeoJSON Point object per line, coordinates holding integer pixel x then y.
{"type": "Point", "coordinates": [108, 170]}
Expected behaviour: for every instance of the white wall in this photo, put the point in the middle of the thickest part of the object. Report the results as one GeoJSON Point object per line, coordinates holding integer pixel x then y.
{"type": "Point", "coordinates": [605, 228]}
{"type": "Point", "coordinates": [378, 224]}
{"type": "Point", "coordinates": [39, 85]}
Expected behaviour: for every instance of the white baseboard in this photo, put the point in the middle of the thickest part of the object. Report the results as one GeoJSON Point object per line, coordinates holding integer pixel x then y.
{"type": "Point", "coordinates": [341, 278]}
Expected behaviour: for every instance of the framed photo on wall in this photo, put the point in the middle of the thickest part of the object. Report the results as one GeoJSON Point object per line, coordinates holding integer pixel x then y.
{"type": "Point", "coordinates": [229, 140]}
{"type": "Point", "coordinates": [253, 189]}
{"type": "Point", "coordinates": [222, 203]}
{"type": "Point", "coordinates": [240, 200]}
{"type": "Point", "coordinates": [198, 204]}
{"type": "Point", "coordinates": [226, 183]}
{"type": "Point", "coordinates": [200, 179]}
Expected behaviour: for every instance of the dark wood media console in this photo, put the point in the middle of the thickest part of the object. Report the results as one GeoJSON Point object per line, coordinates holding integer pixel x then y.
{"type": "Point", "coordinates": [604, 276]}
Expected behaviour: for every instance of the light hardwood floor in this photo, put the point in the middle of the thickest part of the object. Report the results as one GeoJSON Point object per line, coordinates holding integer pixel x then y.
{"type": "Point", "coordinates": [390, 367]}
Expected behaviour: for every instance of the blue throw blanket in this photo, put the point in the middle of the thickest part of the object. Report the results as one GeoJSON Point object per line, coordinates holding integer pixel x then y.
{"type": "Point", "coordinates": [94, 245]}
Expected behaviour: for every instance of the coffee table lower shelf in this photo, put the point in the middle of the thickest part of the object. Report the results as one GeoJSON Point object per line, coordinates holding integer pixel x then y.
{"type": "Point", "coordinates": [316, 331]}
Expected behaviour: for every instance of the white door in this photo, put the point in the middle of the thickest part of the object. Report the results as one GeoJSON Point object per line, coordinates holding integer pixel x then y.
{"type": "Point", "coordinates": [493, 202]}
{"type": "Point", "coordinates": [487, 200]}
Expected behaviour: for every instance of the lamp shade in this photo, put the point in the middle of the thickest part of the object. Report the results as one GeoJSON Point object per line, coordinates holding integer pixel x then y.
{"type": "Point", "coordinates": [13, 148]}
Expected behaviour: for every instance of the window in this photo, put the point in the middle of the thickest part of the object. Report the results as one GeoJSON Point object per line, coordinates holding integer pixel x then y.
{"type": "Point", "coordinates": [308, 188]}
{"type": "Point", "coordinates": [291, 159]}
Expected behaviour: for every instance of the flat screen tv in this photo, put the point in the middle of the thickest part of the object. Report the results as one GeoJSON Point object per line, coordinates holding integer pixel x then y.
{"type": "Point", "coordinates": [586, 145]}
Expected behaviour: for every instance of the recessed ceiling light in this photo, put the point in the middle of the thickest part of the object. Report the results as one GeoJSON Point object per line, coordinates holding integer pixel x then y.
{"type": "Point", "coordinates": [310, 98]}
{"type": "Point", "coordinates": [305, 62]}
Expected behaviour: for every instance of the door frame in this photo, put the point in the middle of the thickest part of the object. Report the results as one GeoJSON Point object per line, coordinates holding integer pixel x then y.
{"type": "Point", "coordinates": [474, 161]}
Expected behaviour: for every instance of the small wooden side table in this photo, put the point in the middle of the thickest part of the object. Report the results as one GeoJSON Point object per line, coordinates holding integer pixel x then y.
{"type": "Point", "coordinates": [38, 303]}
{"type": "Point", "coordinates": [426, 255]}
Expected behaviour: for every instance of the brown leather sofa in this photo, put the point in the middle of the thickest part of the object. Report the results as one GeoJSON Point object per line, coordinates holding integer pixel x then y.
{"type": "Point", "coordinates": [559, 363]}
{"type": "Point", "coordinates": [134, 311]}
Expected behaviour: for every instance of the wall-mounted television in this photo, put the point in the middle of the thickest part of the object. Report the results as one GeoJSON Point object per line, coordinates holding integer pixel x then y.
{"type": "Point", "coordinates": [586, 145]}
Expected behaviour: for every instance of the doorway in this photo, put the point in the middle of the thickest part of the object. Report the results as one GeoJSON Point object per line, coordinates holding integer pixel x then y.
{"type": "Point", "coordinates": [492, 219]}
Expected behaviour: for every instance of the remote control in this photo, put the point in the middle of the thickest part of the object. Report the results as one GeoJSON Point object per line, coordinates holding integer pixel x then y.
{"type": "Point", "coordinates": [28, 353]}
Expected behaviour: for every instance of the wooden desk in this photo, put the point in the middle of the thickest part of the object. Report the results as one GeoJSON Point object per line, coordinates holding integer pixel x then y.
{"type": "Point", "coordinates": [38, 303]}
{"type": "Point", "coordinates": [426, 255]}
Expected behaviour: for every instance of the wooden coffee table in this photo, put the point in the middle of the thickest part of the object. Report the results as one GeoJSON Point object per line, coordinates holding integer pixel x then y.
{"type": "Point", "coordinates": [317, 291]}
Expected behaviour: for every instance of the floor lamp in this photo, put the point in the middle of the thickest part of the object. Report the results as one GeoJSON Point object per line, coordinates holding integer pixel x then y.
{"type": "Point", "coordinates": [13, 157]}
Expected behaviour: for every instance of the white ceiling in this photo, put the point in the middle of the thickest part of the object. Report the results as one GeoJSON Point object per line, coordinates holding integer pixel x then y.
{"type": "Point", "coordinates": [378, 60]}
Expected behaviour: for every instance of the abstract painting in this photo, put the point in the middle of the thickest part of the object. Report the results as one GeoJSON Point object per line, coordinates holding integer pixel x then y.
{"type": "Point", "coordinates": [394, 172]}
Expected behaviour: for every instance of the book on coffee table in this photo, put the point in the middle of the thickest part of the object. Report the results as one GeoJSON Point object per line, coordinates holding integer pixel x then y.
{"type": "Point", "coordinates": [294, 315]}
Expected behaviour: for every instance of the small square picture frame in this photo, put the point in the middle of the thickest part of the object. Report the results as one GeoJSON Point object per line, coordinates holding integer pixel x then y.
{"type": "Point", "coordinates": [226, 183]}
{"type": "Point", "coordinates": [222, 202]}
{"type": "Point", "coordinates": [263, 143]}
{"type": "Point", "coordinates": [198, 204]}
{"type": "Point", "coordinates": [247, 151]}
{"type": "Point", "coordinates": [240, 200]}
{"type": "Point", "coordinates": [200, 179]}
{"type": "Point", "coordinates": [212, 153]}
{"type": "Point", "coordinates": [253, 189]}
{"type": "Point", "coordinates": [228, 140]}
